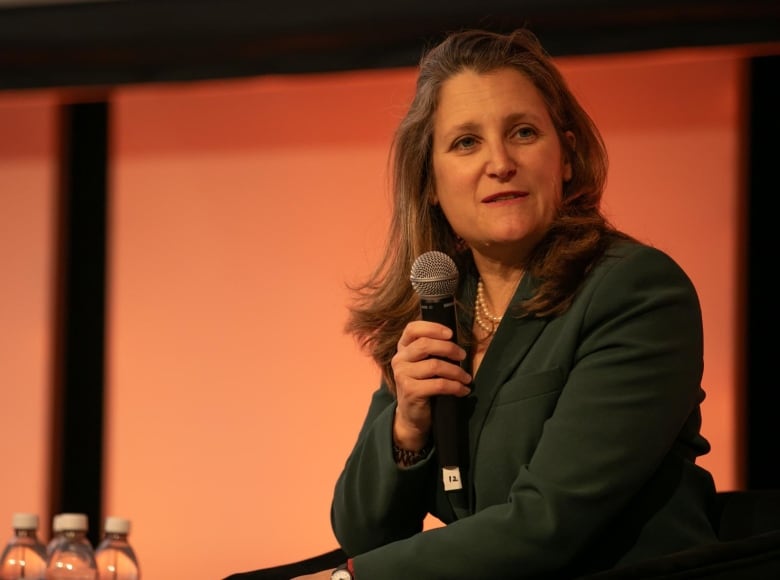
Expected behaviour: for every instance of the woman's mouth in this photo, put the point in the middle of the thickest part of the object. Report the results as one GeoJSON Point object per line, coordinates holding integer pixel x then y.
{"type": "Point", "coordinates": [504, 196]}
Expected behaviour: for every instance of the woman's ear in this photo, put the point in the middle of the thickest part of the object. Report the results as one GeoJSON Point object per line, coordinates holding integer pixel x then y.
{"type": "Point", "coordinates": [568, 153]}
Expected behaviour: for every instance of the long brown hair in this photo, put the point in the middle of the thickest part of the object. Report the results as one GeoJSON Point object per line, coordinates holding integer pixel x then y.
{"type": "Point", "coordinates": [576, 239]}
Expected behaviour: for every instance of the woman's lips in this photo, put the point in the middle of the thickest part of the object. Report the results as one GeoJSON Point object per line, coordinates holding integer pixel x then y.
{"type": "Point", "coordinates": [504, 196]}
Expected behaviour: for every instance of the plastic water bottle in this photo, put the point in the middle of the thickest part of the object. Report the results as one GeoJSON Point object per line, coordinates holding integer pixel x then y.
{"type": "Point", "coordinates": [73, 558]}
{"type": "Point", "coordinates": [116, 559]}
{"type": "Point", "coordinates": [24, 555]}
{"type": "Point", "coordinates": [56, 535]}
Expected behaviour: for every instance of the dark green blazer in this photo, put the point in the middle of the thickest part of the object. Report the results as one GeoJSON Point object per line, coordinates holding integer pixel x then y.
{"type": "Point", "coordinates": [580, 440]}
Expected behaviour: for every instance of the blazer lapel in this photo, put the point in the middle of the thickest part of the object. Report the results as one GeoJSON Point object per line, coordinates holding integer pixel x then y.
{"type": "Point", "coordinates": [512, 341]}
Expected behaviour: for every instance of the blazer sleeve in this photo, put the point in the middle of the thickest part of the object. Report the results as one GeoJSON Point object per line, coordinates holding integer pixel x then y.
{"type": "Point", "coordinates": [627, 398]}
{"type": "Point", "coordinates": [375, 502]}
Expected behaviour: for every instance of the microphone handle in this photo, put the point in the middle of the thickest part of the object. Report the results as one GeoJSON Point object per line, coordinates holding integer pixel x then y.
{"type": "Point", "coordinates": [441, 309]}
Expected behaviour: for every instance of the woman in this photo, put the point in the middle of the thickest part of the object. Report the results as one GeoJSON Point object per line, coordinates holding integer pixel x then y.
{"type": "Point", "coordinates": [578, 360]}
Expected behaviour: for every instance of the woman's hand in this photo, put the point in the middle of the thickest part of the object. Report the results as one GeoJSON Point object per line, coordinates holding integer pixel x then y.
{"type": "Point", "coordinates": [423, 367]}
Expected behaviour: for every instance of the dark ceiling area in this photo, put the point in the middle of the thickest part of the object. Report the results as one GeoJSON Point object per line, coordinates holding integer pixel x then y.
{"type": "Point", "coordinates": [83, 43]}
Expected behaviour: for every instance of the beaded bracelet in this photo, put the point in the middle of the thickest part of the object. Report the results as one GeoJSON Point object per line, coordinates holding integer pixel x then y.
{"type": "Point", "coordinates": [407, 457]}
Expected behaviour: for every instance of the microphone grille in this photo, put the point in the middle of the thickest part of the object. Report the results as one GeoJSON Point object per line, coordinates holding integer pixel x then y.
{"type": "Point", "coordinates": [434, 273]}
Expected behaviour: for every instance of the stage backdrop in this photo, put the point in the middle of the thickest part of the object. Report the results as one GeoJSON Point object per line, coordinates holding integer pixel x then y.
{"type": "Point", "coordinates": [27, 186]}
{"type": "Point", "coordinates": [239, 211]}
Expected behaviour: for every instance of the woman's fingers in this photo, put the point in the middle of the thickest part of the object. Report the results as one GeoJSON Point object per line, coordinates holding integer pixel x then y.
{"type": "Point", "coordinates": [438, 373]}
{"type": "Point", "coordinates": [421, 340]}
{"type": "Point", "coordinates": [420, 328]}
{"type": "Point", "coordinates": [426, 364]}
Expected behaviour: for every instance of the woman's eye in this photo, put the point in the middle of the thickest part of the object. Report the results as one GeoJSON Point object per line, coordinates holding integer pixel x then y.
{"type": "Point", "coordinates": [464, 143]}
{"type": "Point", "coordinates": [525, 132]}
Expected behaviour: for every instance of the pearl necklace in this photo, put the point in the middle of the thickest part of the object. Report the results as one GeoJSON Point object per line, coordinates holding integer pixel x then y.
{"type": "Point", "coordinates": [485, 319]}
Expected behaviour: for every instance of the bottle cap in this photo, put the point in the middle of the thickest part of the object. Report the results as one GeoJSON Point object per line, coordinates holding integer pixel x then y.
{"type": "Point", "coordinates": [56, 523]}
{"type": "Point", "coordinates": [116, 525]}
{"type": "Point", "coordinates": [24, 521]}
{"type": "Point", "coordinates": [76, 522]}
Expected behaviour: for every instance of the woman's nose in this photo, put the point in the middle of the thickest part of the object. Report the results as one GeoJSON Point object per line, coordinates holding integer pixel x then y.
{"type": "Point", "coordinates": [501, 165]}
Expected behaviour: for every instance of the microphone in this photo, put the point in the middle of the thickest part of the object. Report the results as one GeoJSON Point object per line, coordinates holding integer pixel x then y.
{"type": "Point", "coordinates": [435, 279]}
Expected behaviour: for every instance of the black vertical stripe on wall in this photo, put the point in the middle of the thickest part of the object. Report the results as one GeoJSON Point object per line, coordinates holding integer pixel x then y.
{"type": "Point", "coordinates": [77, 450]}
{"type": "Point", "coordinates": [761, 419]}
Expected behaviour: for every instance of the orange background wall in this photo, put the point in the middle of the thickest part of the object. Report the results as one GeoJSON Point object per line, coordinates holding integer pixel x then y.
{"type": "Point", "coordinates": [238, 211]}
{"type": "Point", "coordinates": [27, 184]}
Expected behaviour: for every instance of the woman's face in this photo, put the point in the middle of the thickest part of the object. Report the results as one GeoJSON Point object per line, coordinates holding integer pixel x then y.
{"type": "Point", "coordinates": [498, 164]}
